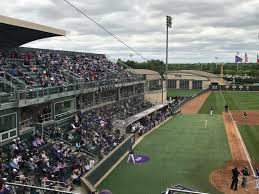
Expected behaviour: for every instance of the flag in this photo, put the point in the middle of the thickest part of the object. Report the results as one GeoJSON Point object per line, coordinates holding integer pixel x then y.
{"type": "Point", "coordinates": [246, 58]}
{"type": "Point", "coordinates": [257, 58]}
{"type": "Point", "coordinates": [238, 59]}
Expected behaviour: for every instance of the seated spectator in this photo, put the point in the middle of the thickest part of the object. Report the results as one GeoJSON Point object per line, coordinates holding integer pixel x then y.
{"type": "Point", "coordinates": [3, 188]}
{"type": "Point", "coordinates": [76, 177]}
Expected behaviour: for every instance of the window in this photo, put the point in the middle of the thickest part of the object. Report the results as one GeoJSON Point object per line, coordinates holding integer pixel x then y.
{"type": "Point", "coordinates": [155, 85]}
{"type": "Point", "coordinates": [7, 122]}
{"type": "Point", "coordinates": [65, 106]}
{"type": "Point", "coordinates": [171, 83]}
{"type": "Point", "coordinates": [196, 84]}
{"type": "Point", "coordinates": [184, 84]}
{"type": "Point", "coordinates": [8, 127]}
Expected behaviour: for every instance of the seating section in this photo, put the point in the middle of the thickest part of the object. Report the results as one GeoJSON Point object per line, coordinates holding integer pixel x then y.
{"type": "Point", "coordinates": [61, 156]}
{"type": "Point", "coordinates": [45, 68]}
{"type": "Point", "coordinates": [61, 153]}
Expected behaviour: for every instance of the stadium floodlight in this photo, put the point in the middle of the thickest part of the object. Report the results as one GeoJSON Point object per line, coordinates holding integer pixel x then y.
{"type": "Point", "coordinates": [168, 25]}
{"type": "Point", "coordinates": [169, 21]}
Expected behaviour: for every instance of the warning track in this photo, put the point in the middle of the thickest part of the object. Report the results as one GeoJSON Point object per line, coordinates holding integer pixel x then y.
{"type": "Point", "coordinates": [194, 105]}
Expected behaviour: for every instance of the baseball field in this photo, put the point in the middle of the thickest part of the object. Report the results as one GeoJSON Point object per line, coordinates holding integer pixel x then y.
{"type": "Point", "coordinates": [195, 149]}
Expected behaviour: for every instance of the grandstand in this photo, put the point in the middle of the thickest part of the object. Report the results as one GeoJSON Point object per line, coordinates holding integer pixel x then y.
{"type": "Point", "coordinates": [63, 113]}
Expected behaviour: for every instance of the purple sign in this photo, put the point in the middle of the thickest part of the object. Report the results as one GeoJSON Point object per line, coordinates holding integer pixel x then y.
{"type": "Point", "coordinates": [105, 192]}
{"type": "Point", "coordinates": [140, 159]}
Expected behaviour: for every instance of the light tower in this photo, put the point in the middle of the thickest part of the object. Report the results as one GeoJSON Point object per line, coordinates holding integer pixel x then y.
{"type": "Point", "coordinates": [168, 25]}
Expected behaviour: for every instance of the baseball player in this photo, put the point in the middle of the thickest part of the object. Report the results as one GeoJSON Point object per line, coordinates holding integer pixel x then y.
{"type": "Point", "coordinates": [211, 111]}
{"type": "Point", "coordinates": [257, 178]}
{"type": "Point", "coordinates": [245, 174]}
{"type": "Point", "coordinates": [131, 155]}
{"type": "Point", "coordinates": [226, 108]}
{"type": "Point", "coordinates": [245, 115]}
{"type": "Point", "coordinates": [235, 174]}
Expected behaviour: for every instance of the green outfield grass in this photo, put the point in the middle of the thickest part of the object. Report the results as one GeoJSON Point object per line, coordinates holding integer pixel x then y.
{"type": "Point", "coordinates": [235, 101]}
{"type": "Point", "coordinates": [242, 100]}
{"type": "Point", "coordinates": [216, 101]}
{"type": "Point", "coordinates": [182, 151]}
{"type": "Point", "coordinates": [250, 135]}
{"type": "Point", "coordinates": [181, 92]}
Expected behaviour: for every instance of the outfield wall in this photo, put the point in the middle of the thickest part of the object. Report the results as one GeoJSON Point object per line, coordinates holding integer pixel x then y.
{"type": "Point", "coordinates": [235, 87]}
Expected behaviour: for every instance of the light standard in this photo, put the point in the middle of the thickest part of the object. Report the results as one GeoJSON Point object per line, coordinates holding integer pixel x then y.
{"type": "Point", "coordinates": [168, 25]}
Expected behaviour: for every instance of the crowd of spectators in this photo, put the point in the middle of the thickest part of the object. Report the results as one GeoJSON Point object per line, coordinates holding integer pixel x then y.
{"type": "Point", "coordinates": [42, 162]}
{"type": "Point", "coordinates": [150, 121]}
{"type": "Point", "coordinates": [48, 159]}
{"type": "Point", "coordinates": [42, 68]}
{"type": "Point", "coordinates": [95, 128]}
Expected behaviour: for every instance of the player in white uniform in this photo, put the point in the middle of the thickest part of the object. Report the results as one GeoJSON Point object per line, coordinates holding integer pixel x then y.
{"type": "Point", "coordinates": [211, 111]}
{"type": "Point", "coordinates": [131, 155]}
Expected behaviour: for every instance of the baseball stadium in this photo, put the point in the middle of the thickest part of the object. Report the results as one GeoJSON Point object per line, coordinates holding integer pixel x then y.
{"type": "Point", "coordinates": [79, 122]}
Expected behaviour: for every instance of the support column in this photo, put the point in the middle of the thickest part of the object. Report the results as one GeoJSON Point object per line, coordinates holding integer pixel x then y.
{"type": "Point", "coordinates": [178, 84]}
{"type": "Point", "coordinates": [190, 84]}
{"type": "Point", "coordinates": [52, 109]}
{"type": "Point", "coordinates": [93, 98]}
{"type": "Point", "coordinates": [119, 94]}
{"type": "Point", "coordinates": [18, 118]}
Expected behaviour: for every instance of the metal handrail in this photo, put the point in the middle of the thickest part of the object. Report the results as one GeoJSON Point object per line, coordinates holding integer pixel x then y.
{"type": "Point", "coordinates": [36, 93]}
{"type": "Point", "coordinates": [40, 188]}
{"type": "Point", "coordinates": [46, 117]}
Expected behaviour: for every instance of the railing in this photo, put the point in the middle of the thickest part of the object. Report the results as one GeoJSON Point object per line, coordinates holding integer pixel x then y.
{"type": "Point", "coordinates": [13, 79]}
{"type": "Point", "coordinates": [126, 94]}
{"type": "Point", "coordinates": [35, 94]}
{"type": "Point", "coordinates": [44, 190]}
{"type": "Point", "coordinates": [55, 184]}
{"type": "Point", "coordinates": [7, 97]}
{"type": "Point", "coordinates": [25, 124]}
{"type": "Point", "coordinates": [87, 104]}
{"type": "Point", "coordinates": [46, 117]}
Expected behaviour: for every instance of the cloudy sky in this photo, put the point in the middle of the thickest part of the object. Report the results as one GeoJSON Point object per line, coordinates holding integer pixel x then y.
{"type": "Point", "coordinates": [202, 29]}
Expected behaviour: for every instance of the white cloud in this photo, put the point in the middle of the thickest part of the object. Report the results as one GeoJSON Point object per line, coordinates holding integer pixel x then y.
{"type": "Point", "coordinates": [200, 27]}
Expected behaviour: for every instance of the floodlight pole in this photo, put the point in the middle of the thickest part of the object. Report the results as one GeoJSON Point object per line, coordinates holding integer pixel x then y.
{"type": "Point", "coordinates": [168, 25]}
{"type": "Point", "coordinates": [166, 60]}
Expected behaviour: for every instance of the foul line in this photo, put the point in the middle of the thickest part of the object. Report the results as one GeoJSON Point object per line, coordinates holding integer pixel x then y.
{"type": "Point", "coordinates": [206, 122]}
{"type": "Point", "coordinates": [240, 138]}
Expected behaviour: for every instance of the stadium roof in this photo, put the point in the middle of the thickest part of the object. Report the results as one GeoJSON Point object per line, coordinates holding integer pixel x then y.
{"type": "Point", "coordinates": [195, 72]}
{"type": "Point", "coordinates": [15, 32]}
{"type": "Point", "coordinates": [150, 74]}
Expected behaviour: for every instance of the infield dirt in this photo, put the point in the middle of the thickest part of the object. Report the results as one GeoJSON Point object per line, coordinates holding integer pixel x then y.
{"type": "Point", "coordinates": [221, 178]}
